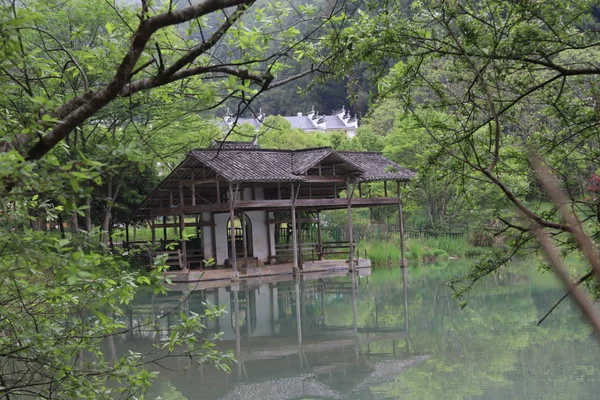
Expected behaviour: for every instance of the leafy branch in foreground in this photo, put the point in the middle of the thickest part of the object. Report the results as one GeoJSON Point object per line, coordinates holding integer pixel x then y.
{"type": "Point", "coordinates": [79, 80]}
{"type": "Point", "coordinates": [485, 80]}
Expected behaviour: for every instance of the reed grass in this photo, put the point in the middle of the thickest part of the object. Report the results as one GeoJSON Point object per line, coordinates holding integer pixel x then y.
{"type": "Point", "coordinates": [387, 252]}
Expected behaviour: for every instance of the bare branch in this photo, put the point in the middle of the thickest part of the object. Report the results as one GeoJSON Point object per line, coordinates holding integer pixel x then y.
{"type": "Point", "coordinates": [561, 271]}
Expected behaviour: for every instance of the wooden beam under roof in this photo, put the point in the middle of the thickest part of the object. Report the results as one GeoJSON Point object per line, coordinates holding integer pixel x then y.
{"type": "Point", "coordinates": [326, 203]}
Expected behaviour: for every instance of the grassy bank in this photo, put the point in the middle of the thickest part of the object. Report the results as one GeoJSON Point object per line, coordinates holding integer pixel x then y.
{"type": "Point", "coordinates": [418, 250]}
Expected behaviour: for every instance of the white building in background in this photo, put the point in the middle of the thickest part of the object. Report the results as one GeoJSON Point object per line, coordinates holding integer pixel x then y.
{"type": "Point", "coordinates": [339, 120]}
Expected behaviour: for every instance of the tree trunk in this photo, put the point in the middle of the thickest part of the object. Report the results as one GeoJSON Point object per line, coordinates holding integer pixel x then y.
{"type": "Point", "coordinates": [74, 222]}
{"type": "Point", "coordinates": [105, 226]}
{"type": "Point", "coordinates": [106, 220]}
{"type": "Point", "coordinates": [88, 215]}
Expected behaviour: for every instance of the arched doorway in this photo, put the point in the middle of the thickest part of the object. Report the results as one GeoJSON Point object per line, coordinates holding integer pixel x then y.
{"type": "Point", "coordinates": [239, 238]}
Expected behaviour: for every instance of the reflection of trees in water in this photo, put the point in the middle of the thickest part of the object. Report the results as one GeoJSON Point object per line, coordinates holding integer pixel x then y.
{"type": "Point", "coordinates": [492, 348]}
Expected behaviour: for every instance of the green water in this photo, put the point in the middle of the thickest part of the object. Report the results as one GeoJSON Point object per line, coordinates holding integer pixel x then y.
{"type": "Point", "coordinates": [319, 338]}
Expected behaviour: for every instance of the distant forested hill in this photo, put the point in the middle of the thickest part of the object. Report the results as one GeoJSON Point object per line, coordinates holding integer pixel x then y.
{"type": "Point", "coordinates": [355, 91]}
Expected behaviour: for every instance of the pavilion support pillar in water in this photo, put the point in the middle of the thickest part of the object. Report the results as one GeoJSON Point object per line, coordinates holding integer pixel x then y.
{"type": "Point", "coordinates": [401, 225]}
{"type": "Point", "coordinates": [232, 257]}
{"type": "Point", "coordinates": [349, 189]}
{"type": "Point", "coordinates": [294, 233]}
{"type": "Point", "coordinates": [354, 318]}
{"type": "Point", "coordinates": [299, 321]}
{"type": "Point", "coordinates": [405, 293]}
{"type": "Point", "coordinates": [238, 343]}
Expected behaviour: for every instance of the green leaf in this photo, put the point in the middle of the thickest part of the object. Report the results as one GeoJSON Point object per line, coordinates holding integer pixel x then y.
{"type": "Point", "coordinates": [110, 27]}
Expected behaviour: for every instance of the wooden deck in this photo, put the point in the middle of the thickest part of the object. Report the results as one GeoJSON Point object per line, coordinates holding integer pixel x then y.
{"type": "Point", "coordinates": [264, 271]}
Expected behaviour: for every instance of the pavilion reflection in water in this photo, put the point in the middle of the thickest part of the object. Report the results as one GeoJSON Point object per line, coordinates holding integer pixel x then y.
{"type": "Point", "coordinates": [286, 343]}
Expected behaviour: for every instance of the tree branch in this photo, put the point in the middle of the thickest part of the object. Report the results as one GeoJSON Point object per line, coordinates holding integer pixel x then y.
{"type": "Point", "coordinates": [139, 41]}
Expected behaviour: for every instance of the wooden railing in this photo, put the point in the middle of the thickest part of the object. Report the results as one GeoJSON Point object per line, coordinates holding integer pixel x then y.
{"type": "Point", "coordinates": [312, 251]}
{"type": "Point", "coordinates": [174, 258]}
{"type": "Point", "coordinates": [285, 252]}
{"type": "Point", "coordinates": [335, 248]}
{"type": "Point", "coordinates": [194, 258]}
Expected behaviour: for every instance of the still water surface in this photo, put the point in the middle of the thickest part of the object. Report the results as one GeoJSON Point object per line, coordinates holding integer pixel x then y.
{"type": "Point", "coordinates": [370, 338]}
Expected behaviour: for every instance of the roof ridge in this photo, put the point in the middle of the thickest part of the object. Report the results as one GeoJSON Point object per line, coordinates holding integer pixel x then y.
{"type": "Point", "coordinates": [266, 149]}
{"type": "Point", "coordinates": [360, 152]}
{"type": "Point", "coordinates": [313, 148]}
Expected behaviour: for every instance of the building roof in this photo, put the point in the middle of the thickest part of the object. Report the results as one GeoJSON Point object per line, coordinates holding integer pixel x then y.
{"type": "Point", "coordinates": [340, 120]}
{"type": "Point", "coordinates": [301, 122]}
{"type": "Point", "coordinates": [241, 162]}
{"type": "Point", "coordinates": [248, 165]}
{"type": "Point", "coordinates": [376, 167]}
{"type": "Point", "coordinates": [252, 164]}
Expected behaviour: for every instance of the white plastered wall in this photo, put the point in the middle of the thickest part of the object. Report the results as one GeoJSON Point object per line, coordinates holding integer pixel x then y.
{"type": "Point", "coordinates": [207, 236]}
{"type": "Point", "coordinates": [258, 220]}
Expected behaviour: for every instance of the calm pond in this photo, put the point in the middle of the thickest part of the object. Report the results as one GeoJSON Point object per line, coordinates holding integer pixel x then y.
{"type": "Point", "coordinates": [317, 338]}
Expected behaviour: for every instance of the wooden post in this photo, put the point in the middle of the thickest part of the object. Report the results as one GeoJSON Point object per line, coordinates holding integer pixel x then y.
{"type": "Point", "coordinates": [294, 239]}
{"type": "Point", "coordinates": [153, 228]}
{"type": "Point", "coordinates": [233, 257]}
{"type": "Point", "coordinates": [214, 235]}
{"type": "Point", "coordinates": [350, 237]}
{"type": "Point", "coordinates": [401, 224]}
{"type": "Point", "coordinates": [269, 228]}
{"type": "Point", "coordinates": [193, 190]}
{"type": "Point", "coordinates": [183, 241]}
{"type": "Point", "coordinates": [385, 189]}
{"type": "Point", "coordinates": [300, 253]}
{"type": "Point", "coordinates": [165, 219]}
{"type": "Point", "coordinates": [218, 190]}
{"type": "Point", "coordinates": [126, 236]}
{"type": "Point", "coordinates": [180, 194]}
{"type": "Point", "coordinates": [319, 239]}
{"type": "Point", "coordinates": [244, 244]}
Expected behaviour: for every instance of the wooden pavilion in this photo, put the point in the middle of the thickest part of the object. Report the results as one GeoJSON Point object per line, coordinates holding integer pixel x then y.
{"type": "Point", "coordinates": [250, 208]}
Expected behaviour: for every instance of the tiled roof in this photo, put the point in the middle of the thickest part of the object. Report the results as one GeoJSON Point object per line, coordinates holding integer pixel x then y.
{"type": "Point", "coordinates": [251, 165]}
{"type": "Point", "coordinates": [234, 145]}
{"type": "Point", "coordinates": [302, 160]}
{"type": "Point", "coordinates": [269, 165]}
{"type": "Point", "coordinates": [334, 122]}
{"type": "Point", "coordinates": [376, 167]}
{"type": "Point", "coordinates": [252, 121]}
{"type": "Point", "coordinates": [301, 122]}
